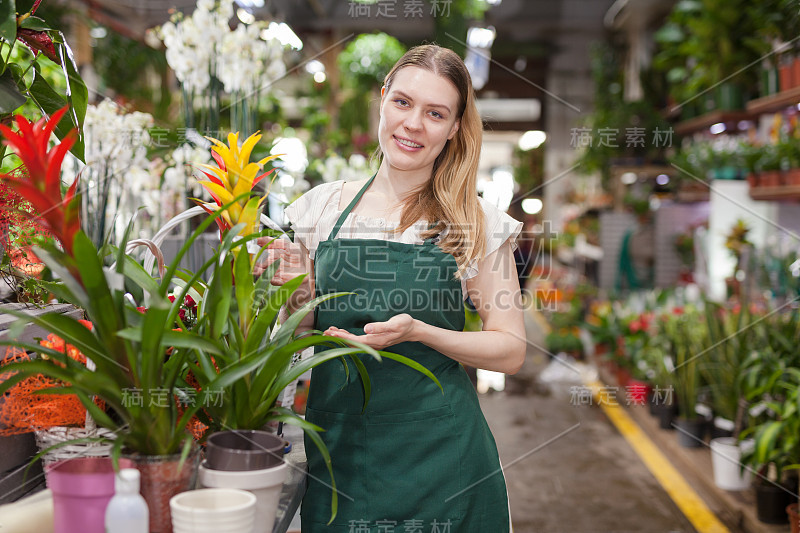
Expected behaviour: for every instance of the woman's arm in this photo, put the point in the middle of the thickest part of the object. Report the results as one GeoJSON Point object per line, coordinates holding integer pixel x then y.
{"type": "Point", "coordinates": [495, 292]}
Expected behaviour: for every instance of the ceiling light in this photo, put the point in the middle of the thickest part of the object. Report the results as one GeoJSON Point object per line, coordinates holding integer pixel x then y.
{"type": "Point", "coordinates": [662, 179]}
{"type": "Point", "coordinates": [532, 206]}
{"type": "Point", "coordinates": [319, 77]}
{"type": "Point", "coordinates": [481, 37]}
{"type": "Point", "coordinates": [629, 178]}
{"type": "Point", "coordinates": [531, 139]}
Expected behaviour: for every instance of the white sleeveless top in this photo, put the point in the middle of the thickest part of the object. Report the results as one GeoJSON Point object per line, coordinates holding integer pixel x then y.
{"type": "Point", "coordinates": [313, 215]}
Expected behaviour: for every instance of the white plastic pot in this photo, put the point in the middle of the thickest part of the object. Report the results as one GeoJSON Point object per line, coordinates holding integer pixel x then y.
{"type": "Point", "coordinates": [212, 511]}
{"type": "Point", "coordinates": [726, 456]}
{"type": "Point", "coordinates": [265, 484]}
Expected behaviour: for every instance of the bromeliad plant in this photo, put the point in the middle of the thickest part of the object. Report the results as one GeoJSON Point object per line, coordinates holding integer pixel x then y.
{"type": "Point", "coordinates": [236, 349]}
{"type": "Point", "coordinates": [232, 181]}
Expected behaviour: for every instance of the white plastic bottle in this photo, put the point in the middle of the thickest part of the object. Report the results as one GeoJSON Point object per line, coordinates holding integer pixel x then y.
{"type": "Point", "coordinates": [127, 511]}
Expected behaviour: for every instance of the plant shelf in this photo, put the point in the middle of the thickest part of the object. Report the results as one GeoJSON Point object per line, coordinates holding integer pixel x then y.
{"type": "Point", "coordinates": [774, 102]}
{"type": "Point", "coordinates": [782, 193]}
{"type": "Point", "coordinates": [704, 121]}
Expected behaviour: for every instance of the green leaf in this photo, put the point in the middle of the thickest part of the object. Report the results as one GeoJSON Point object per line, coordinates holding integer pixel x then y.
{"type": "Point", "coordinates": [217, 302]}
{"type": "Point", "coordinates": [312, 430]}
{"type": "Point", "coordinates": [269, 311]}
{"type": "Point", "coordinates": [10, 97]}
{"type": "Point", "coordinates": [244, 287]}
{"type": "Point", "coordinates": [136, 273]}
{"type": "Point", "coordinates": [766, 440]}
{"type": "Point", "coordinates": [34, 23]}
{"type": "Point", "coordinates": [77, 93]}
{"type": "Point", "coordinates": [411, 364]}
{"type": "Point", "coordinates": [8, 21]}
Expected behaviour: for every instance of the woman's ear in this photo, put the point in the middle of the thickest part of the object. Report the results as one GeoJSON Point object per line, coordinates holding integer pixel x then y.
{"type": "Point", "coordinates": [454, 129]}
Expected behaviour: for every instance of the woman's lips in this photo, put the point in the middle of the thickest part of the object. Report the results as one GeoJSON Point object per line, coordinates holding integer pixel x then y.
{"type": "Point", "coordinates": [407, 144]}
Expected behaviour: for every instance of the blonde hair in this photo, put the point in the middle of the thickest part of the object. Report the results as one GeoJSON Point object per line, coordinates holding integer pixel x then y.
{"type": "Point", "coordinates": [450, 196]}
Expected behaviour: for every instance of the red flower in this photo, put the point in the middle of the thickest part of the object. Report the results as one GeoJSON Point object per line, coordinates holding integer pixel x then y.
{"type": "Point", "coordinates": [182, 315]}
{"type": "Point", "coordinates": [171, 298]}
{"type": "Point", "coordinates": [189, 302]}
{"type": "Point", "coordinates": [42, 188]}
{"type": "Point", "coordinates": [678, 311]}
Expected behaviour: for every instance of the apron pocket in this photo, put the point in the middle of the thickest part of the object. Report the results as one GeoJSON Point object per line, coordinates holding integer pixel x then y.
{"type": "Point", "coordinates": [414, 466]}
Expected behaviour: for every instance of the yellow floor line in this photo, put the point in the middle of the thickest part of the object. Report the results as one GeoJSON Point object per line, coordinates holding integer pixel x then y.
{"type": "Point", "coordinates": [687, 500]}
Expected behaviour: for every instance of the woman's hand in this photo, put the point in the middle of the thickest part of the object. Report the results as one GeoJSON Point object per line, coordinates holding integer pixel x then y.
{"type": "Point", "coordinates": [379, 335]}
{"type": "Point", "coordinates": [292, 255]}
{"type": "Point", "coordinates": [294, 262]}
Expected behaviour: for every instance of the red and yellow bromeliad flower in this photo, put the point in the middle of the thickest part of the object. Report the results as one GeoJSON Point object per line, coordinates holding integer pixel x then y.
{"type": "Point", "coordinates": [42, 186]}
{"type": "Point", "coordinates": [233, 176]}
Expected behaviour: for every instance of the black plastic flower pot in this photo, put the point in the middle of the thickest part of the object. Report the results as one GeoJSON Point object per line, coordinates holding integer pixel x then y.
{"type": "Point", "coordinates": [666, 414]}
{"type": "Point", "coordinates": [772, 501]}
{"type": "Point", "coordinates": [691, 432]}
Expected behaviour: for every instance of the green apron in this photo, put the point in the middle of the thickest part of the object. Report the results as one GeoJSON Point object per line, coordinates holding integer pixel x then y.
{"type": "Point", "coordinates": [416, 460]}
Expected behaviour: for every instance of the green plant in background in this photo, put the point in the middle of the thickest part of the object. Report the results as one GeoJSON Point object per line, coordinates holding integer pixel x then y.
{"type": "Point", "coordinates": [529, 168]}
{"type": "Point", "coordinates": [22, 78]}
{"type": "Point", "coordinates": [613, 120]}
{"type": "Point", "coordinates": [707, 42]}
{"type": "Point", "coordinates": [368, 58]}
{"type": "Point", "coordinates": [128, 67]}
{"type": "Point", "coordinates": [684, 247]}
{"type": "Point", "coordinates": [772, 385]}
{"type": "Point", "coordinates": [731, 340]}
{"type": "Point", "coordinates": [687, 337]}
{"type": "Point", "coordinates": [363, 64]}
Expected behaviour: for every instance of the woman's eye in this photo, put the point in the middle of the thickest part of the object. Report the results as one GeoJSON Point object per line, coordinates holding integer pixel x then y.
{"type": "Point", "coordinates": [436, 114]}
{"type": "Point", "coordinates": [400, 101]}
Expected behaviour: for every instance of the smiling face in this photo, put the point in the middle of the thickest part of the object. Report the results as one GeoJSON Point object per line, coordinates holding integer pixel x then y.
{"type": "Point", "coordinates": [418, 115]}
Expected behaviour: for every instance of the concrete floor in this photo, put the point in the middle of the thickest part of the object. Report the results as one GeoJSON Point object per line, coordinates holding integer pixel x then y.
{"type": "Point", "coordinates": [567, 468]}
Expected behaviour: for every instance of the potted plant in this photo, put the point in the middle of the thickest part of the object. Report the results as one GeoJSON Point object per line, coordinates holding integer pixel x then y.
{"type": "Point", "coordinates": [731, 336]}
{"type": "Point", "coordinates": [686, 337]}
{"type": "Point", "coordinates": [772, 385]}
{"type": "Point", "coordinates": [141, 350]}
{"type": "Point", "coordinates": [769, 166]}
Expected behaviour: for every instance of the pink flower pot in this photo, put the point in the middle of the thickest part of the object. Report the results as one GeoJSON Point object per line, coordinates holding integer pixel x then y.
{"type": "Point", "coordinates": [81, 489]}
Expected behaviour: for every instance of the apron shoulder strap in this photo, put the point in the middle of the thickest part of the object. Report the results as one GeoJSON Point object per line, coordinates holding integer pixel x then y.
{"type": "Point", "coordinates": [350, 207]}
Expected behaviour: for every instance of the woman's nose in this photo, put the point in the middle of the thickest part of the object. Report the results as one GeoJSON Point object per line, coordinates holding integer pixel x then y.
{"type": "Point", "coordinates": [413, 121]}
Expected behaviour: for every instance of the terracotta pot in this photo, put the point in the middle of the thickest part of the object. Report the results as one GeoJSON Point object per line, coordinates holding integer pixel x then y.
{"type": "Point", "coordinates": [769, 178]}
{"type": "Point", "coordinates": [752, 179]}
{"type": "Point", "coordinates": [794, 517]}
{"type": "Point", "coordinates": [796, 72]}
{"type": "Point", "coordinates": [792, 176]}
{"type": "Point", "coordinates": [623, 376]}
{"type": "Point", "coordinates": [164, 476]}
{"type": "Point", "coordinates": [785, 76]}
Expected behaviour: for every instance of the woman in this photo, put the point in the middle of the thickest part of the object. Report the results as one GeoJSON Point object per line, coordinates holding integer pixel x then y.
{"type": "Point", "coordinates": [411, 243]}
